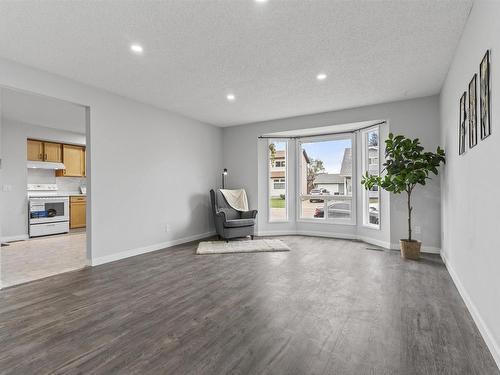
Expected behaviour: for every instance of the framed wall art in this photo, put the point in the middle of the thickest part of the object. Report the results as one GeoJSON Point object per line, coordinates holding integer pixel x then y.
{"type": "Point", "coordinates": [473, 111]}
{"type": "Point", "coordinates": [461, 125]}
{"type": "Point", "coordinates": [484, 96]}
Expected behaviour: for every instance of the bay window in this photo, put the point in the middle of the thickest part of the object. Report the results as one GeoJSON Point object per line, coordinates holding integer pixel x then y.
{"type": "Point", "coordinates": [370, 163]}
{"type": "Point", "coordinates": [325, 192]}
{"type": "Point", "coordinates": [277, 180]}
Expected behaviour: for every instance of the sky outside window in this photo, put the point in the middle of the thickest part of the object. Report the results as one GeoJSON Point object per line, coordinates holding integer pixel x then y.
{"type": "Point", "coordinates": [330, 152]}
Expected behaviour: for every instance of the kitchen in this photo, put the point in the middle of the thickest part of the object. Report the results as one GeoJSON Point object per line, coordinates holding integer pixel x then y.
{"type": "Point", "coordinates": [43, 175]}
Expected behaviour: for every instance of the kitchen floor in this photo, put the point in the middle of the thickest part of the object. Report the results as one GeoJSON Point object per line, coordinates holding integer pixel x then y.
{"type": "Point", "coordinates": [36, 258]}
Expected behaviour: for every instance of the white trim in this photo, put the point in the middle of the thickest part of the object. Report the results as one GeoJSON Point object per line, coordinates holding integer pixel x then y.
{"type": "Point", "coordinates": [345, 236]}
{"type": "Point", "coordinates": [148, 249]}
{"type": "Point", "coordinates": [342, 236]}
{"type": "Point", "coordinates": [373, 241]}
{"type": "Point", "coordinates": [19, 237]}
{"type": "Point", "coordinates": [488, 337]}
{"type": "Point", "coordinates": [276, 233]}
{"type": "Point", "coordinates": [313, 233]}
{"type": "Point", "coordinates": [327, 221]}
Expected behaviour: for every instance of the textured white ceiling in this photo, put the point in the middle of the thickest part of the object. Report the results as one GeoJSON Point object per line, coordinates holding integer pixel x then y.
{"type": "Point", "coordinates": [268, 54]}
{"type": "Point", "coordinates": [42, 110]}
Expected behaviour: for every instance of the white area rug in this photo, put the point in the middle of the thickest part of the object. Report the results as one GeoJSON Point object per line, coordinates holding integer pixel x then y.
{"type": "Point", "coordinates": [222, 247]}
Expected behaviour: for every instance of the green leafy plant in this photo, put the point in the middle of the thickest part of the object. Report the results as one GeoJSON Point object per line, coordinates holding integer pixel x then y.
{"type": "Point", "coordinates": [407, 165]}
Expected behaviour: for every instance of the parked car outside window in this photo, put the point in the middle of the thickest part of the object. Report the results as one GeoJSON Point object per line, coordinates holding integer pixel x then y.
{"type": "Point", "coordinates": [318, 192]}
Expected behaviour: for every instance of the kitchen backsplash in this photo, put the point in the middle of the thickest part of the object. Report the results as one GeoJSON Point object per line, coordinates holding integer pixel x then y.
{"type": "Point", "coordinates": [47, 176]}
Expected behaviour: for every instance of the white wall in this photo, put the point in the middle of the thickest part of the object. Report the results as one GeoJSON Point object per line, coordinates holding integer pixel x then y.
{"type": "Point", "coordinates": [470, 204]}
{"type": "Point", "coordinates": [1, 166]}
{"type": "Point", "coordinates": [14, 214]}
{"type": "Point", "coordinates": [148, 167]}
{"type": "Point", "coordinates": [413, 118]}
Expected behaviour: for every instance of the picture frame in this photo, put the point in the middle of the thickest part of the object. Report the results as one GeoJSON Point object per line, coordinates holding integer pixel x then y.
{"type": "Point", "coordinates": [473, 111]}
{"type": "Point", "coordinates": [484, 96]}
{"type": "Point", "coordinates": [461, 124]}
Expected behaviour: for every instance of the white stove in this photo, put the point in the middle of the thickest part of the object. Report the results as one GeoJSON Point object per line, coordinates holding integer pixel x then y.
{"type": "Point", "coordinates": [48, 213]}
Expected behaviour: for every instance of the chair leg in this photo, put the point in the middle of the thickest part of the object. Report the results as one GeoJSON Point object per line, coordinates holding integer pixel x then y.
{"type": "Point", "coordinates": [251, 237]}
{"type": "Point", "coordinates": [218, 237]}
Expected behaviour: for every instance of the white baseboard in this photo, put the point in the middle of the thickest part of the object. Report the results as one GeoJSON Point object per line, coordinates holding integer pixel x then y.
{"type": "Point", "coordinates": [306, 233]}
{"type": "Point", "coordinates": [341, 236]}
{"type": "Point", "coordinates": [276, 233]}
{"type": "Point", "coordinates": [20, 237]}
{"type": "Point", "coordinates": [373, 241]}
{"type": "Point", "coordinates": [147, 249]}
{"type": "Point", "coordinates": [488, 338]}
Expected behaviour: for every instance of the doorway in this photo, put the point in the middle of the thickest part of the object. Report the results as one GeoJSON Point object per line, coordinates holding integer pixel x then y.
{"type": "Point", "coordinates": [44, 174]}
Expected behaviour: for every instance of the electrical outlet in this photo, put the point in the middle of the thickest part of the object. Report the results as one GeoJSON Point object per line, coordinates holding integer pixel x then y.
{"type": "Point", "coordinates": [418, 230]}
{"type": "Point", "coordinates": [167, 228]}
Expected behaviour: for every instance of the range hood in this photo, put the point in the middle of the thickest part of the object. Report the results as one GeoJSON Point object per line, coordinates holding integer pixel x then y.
{"type": "Point", "coordinates": [45, 165]}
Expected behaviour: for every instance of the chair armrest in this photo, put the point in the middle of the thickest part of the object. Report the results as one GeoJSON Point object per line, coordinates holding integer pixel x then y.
{"type": "Point", "coordinates": [252, 214]}
{"type": "Point", "coordinates": [220, 215]}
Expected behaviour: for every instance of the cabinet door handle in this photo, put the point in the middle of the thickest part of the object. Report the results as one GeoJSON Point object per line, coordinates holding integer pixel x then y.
{"type": "Point", "coordinates": [40, 157]}
{"type": "Point", "coordinates": [45, 158]}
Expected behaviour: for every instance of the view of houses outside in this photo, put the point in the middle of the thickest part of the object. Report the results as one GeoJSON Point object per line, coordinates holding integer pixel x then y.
{"type": "Point", "coordinates": [328, 178]}
{"type": "Point", "coordinates": [373, 198]}
{"type": "Point", "coordinates": [325, 179]}
{"type": "Point", "coordinates": [277, 181]}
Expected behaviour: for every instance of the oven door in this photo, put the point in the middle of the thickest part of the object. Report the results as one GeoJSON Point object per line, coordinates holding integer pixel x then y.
{"type": "Point", "coordinates": [48, 209]}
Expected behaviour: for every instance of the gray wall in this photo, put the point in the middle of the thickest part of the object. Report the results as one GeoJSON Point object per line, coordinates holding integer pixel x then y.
{"type": "Point", "coordinates": [148, 167]}
{"type": "Point", "coordinates": [470, 204]}
{"type": "Point", "coordinates": [14, 215]}
{"type": "Point", "coordinates": [414, 118]}
{"type": "Point", "coordinates": [1, 165]}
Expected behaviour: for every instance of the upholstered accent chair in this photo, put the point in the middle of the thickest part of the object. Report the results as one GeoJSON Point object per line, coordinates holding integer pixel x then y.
{"type": "Point", "coordinates": [231, 223]}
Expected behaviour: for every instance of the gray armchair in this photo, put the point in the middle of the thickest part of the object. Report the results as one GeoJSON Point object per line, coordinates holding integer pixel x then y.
{"type": "Point", "coordinates": [231, 223]}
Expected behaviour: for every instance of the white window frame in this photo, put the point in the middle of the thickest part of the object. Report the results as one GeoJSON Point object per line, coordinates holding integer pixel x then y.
{"type": "Point", "coordinates": [364, 168]}
{"type": "Point", "coordinates": [287, 202]}
{"type": "Point", "coordinates": [354, 179]}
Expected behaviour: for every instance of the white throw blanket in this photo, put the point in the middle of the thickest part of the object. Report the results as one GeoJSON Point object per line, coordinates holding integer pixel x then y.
{"type": "Point", "coordinates": [237, 199]}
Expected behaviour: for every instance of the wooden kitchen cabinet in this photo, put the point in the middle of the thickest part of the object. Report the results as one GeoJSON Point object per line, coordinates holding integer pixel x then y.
{"type": "Point", "coordinates": [52, 152]}
{"type": "Point", "coordinates": [77, 212]}
{"type": "Point", "coordinates": [35, 150]}
{"type": "Point", "coordinates": [73, 158]}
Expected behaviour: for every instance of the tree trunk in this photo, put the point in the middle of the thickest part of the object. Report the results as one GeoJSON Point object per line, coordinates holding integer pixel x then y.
{"type": "Point", "coordinates": [410, 208]}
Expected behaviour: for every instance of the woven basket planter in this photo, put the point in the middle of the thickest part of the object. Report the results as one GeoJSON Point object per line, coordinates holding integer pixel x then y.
{"type": "Point", "coordinates": [410, 249]}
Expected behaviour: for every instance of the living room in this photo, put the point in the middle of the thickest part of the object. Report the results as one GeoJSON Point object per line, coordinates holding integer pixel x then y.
{"type": "Point", "coordinates": [290, 112]}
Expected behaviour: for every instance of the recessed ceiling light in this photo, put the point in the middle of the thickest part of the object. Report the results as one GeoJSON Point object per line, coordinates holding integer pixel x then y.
{"type": "Point", "coordinates": [321, 76]}
{"type": "Point", "coordinates": [231, 97]}
{"type": "Point", "coordinates": [136, 48]}
{"type": "Point", "coordinates": [261, 1]}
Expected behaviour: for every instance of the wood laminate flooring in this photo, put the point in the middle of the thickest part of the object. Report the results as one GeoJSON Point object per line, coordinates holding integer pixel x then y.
{"type": "Point", "coordinates": [326, 307]}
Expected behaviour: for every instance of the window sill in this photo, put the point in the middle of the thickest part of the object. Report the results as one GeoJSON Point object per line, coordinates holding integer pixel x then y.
{"type": "Point", "coordinates": [373, 227]}
{"type": "Point", "coordinates": [330, 222]}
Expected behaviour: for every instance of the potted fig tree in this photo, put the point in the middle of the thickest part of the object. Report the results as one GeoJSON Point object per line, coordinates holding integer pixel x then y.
{"type": "Point", "coordinates": [407, 165]}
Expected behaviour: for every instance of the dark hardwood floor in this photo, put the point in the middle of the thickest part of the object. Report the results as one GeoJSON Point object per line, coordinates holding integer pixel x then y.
{"type": "Point", "coordinates": [327, 307]}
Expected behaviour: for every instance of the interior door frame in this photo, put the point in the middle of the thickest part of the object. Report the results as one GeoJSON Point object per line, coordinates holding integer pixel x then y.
{"type": "Point", "coordinates": [88, 167]}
